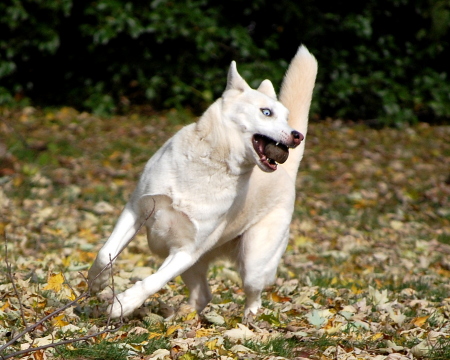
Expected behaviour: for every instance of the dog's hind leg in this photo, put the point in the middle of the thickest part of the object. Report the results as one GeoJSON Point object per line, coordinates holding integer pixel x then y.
{"type": "Point", "coordinates": [260, 252]}
{"type": "Point", "coordinates": [196, 281]}
{"type": "Point", "coordinates": [196, 277]}
{"type": "Point", "coordinates": [126, 227]}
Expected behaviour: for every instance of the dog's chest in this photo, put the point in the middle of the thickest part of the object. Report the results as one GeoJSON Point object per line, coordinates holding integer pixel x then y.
{"type": "Point", "coordinates": [208, 197]}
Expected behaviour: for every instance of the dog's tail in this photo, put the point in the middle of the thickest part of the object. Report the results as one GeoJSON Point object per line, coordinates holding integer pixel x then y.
{"type": "Point", "coordinates": [296, 94]}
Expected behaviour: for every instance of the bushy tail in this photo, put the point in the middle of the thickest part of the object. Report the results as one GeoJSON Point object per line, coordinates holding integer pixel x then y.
{"type": "Point", "coordinates": [296, 94]}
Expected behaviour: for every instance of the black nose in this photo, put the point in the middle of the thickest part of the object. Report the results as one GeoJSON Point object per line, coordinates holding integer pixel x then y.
{"type": "Point", "coordinates": [298, 137]}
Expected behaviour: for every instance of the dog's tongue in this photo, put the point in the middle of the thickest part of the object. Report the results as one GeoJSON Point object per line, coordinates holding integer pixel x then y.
{"type": "Point", "coordinates": [279, 153]}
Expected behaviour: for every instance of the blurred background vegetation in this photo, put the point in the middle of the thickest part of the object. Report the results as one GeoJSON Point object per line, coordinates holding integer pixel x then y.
{"type": "Point", "coordinates": [381, 61]}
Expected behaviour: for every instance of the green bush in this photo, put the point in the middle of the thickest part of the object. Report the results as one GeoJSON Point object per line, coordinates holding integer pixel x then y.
{"type": "Point", "coordinates": [385, 61]}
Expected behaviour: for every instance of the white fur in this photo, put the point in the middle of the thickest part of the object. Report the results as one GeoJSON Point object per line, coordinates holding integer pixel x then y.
{"type": "Point", "coordinates": [209, 198]}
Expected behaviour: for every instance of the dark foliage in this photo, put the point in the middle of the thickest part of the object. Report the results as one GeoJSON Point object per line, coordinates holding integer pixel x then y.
{"type": "Point", "coordinates": [385, 61]}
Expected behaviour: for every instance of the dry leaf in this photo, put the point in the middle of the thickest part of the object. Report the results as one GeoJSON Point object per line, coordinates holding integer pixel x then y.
{"type": "Point", "coordinates": [54, 282]}
{"type": "Point", "coordinates": [241, 333]}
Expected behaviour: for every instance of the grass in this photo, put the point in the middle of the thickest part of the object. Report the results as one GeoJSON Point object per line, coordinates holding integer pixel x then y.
{"type": "Point", "coordinates": [441, 350]}
{"type": "Point", "coordinates": [370, 235]}
{"type": "Point", "coordinates": [278, 347]}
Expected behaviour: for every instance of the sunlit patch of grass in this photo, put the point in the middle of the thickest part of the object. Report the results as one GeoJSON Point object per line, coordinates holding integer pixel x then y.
{"type": "Point", "coordinates": [441, 350]}
{"type": "Point", "coordinates": [326, 280]}
{"type": "Point", "coordinates": [143, 344]}
{"type": "Point", "coordinates": [103, 350]}
{"type": "Point", "coordinates": [278, 346]}
{"type": "Point", "coordinates": [423, 287]}
{"type": "Point", "coordinates": [321, 343]}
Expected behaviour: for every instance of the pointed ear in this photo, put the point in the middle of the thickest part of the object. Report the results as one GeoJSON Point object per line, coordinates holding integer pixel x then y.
{"type": "Point", "coordinates": [235, 81]}
{"type": "Point", "coordinates": [267, 88]}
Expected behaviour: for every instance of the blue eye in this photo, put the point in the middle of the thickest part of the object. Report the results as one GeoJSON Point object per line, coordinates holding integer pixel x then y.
{"type": "Point", "coordinates": [266, 112]}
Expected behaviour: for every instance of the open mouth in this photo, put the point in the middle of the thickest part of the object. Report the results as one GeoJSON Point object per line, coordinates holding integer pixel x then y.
{"type": "Point", "coordinates": [270, 152]}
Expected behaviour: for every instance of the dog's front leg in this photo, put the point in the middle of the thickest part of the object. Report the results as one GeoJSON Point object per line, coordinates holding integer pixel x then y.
{"type": "Point", "coordinates": [126, 227]}
{"type": "Point", "coordinates": [260, 252]}
{"type": "Point", "coordinates": [175, 264]}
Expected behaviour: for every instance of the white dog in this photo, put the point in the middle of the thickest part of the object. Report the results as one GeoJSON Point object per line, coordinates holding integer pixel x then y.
{"type": "Point", "coordinates": [207, 198]}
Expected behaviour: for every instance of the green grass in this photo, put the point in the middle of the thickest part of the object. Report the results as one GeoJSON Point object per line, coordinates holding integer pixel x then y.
{"type": "Point", "coordinates": [365, 215]}
{"type": "Point", "coordinates": [277, 347]}
{"type": "Point", "coordinates": [117, 349]}
{"type": "Point", "coordinates": [441, 350]}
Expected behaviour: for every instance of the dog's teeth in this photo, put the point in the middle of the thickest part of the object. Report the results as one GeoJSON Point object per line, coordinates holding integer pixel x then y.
{"type": "Point", "coordinates": [278, 143]}
{"type": "Point", "coordinates": [272, 161]}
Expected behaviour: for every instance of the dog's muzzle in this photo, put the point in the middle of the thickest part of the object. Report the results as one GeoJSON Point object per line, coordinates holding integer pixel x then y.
{"type": "Point", "coordinates": [271, 152]}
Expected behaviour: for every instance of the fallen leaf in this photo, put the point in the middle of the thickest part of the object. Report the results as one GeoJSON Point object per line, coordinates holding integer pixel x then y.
{"type": "Point", "coordinates": [54, 282]}
{"type": "Point", "coordinates": [172, 329]}
{"type": "Point", "coordinates": [241, 333]}
{"type": "Point", "coordinates": [420, 321]}
{"type": "Point", "coordinates": [215, 318]}
{"type": "Point", "coordinates": [59, 322]}
{"type": "Point", "coordinates": [318, 318]}
{"type": "Point", "coordinates": [241, 349]}
{"type": "Point", "coordinates": [159, 354]}
{"type": "Point", "coordinates": [204, 332]}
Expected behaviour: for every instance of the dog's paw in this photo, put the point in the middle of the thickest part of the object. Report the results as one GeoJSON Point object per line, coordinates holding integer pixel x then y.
{"type": "Point", "coordinates": [251, 314]}
{"type": "Point", "coordinates": [252, 308]}
{"type": "Point", "coordinates": [125, 303]}
{"type": "Point", "coordinates": [97, 279]}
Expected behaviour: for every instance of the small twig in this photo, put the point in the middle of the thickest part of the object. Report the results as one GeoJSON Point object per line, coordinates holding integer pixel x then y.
{"type": "Point", "coordinates": [59, 343]}
{"type": "Point", "coordinates": [31, 328]}
{"type": "Point", "coordinates": [113, 291]}
{"type": "Point", "coordinates": [85, 294]}
{"type": "Point", "coordinates": [11, 278]}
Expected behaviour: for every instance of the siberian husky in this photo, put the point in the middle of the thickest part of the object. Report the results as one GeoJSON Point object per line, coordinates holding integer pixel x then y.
{"type": "Point", "coordinates": [223, 186]}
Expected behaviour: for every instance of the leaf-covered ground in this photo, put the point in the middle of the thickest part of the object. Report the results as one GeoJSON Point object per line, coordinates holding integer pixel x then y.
{"type": "Point", "coordinates": [366, 274]}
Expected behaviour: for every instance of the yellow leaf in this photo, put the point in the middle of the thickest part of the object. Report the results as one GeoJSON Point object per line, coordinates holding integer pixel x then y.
{"type": "Point", "coordinates": [154, 335]}
{"type": "Point", "coordinates": [17, 181]}
{"type": "Point", "coordinates": [115, 155]}
{"type": "Point", "coordinates": [58, 321]}
{"type": "Point", "coordinates": [355, 289]}
{"type": "Point", "coordinates": [5, 306]}
{"type": "Point", "coordinates": [203, 332]}
{"type": "Point", "coordinates": [278, 299]}
{"type": "Point", "coordinates": [72, 296]}
{"type": "Point", "coordinates": [172, 329]}
{"type": "Point", "coordinates": [2, 227]}
{"type": "Point", "coordinates": [40, 304]}
{"type": "Point", "coordinates": [54, 282]}
{"type": "Point", "coordinates": [420, 321]}
{"type": "Point", "coordinates": [212, 345]}
{"type": "Point", "coordinates": [301, 241]}
{"type": "Point", "coordinates": [377, 336]}
{"type": "Point", "coordinates": [190, 316]}
{"type": "Point", "coordinates": [66, 261]}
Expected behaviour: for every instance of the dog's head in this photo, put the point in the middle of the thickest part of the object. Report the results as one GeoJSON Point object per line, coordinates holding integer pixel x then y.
{"type": "Point", "coordinates": [261, 119]}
